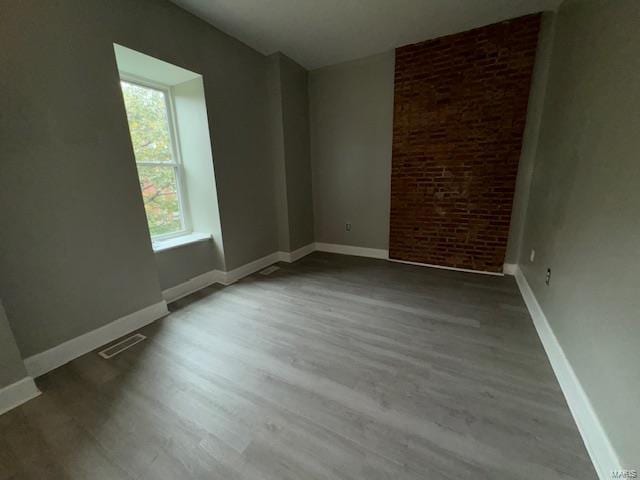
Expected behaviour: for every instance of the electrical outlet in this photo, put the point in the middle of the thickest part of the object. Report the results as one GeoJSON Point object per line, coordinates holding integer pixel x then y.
{"type": "Point", "coordinates": [547, 280]}
{"type": "Point", "coordinates": [347, 227]}
{"type": "Point", "coordinates": [532, 256]}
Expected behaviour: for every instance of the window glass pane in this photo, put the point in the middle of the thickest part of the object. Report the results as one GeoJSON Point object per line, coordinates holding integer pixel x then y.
{"type": "Point", "coordinates": [148, 123]}
{"type": "Point", "coordinates": [160, 194]}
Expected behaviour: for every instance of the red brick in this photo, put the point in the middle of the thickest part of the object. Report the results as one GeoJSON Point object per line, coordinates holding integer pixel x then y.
{"type": "Point", "coordinates": [459, 115]}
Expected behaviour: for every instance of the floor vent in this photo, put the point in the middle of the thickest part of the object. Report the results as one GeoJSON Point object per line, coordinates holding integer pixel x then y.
{"type": "Point", "coordinates": [269, 270]}
{"type": "Point", "coordinates": [121, 346]}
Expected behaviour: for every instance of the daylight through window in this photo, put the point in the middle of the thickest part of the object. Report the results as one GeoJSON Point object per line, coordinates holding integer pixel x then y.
{"type": "Point", "coordinates": [150, 115]}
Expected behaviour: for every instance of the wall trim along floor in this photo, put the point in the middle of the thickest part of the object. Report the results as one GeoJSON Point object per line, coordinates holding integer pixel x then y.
{"type": "Point", "coordinates": [442, 267]}
{"type": "Point", "coordinates": [57, 356]}
{"type": "Point", "coordinates": [227, 278]}
{"type": "Point", "coordinates": [17, 393]}
{"type": "Point", "coordinates": [510, 268]}
{"type": "Point", "coordinates": [291, 257]}
{"type": "Point", "coordinates": [239, 273]}
{"type": "Point", "coordinates": [596, 441]}
{"type": "Point", "coordinates": [352, 250]}
{"type": "Point", "coordinates": [192, 285]}
{"type": "Point", "coordinates": [46, 361]}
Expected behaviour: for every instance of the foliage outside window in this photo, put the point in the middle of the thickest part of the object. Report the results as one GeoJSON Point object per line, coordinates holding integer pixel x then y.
{"type": "Point", "coordinates": [159, 170]}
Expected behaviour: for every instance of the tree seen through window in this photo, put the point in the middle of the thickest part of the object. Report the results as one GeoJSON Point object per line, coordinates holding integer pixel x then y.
{"type": "Point", "coordinates": [158, 169]}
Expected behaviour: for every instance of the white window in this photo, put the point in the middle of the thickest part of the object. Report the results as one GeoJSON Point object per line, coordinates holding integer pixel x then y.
{"type": "Point", "coordinates": [151, 117]}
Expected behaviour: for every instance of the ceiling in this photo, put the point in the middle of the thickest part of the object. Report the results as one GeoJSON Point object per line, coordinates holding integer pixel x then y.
{"type": "Point", "coordinates": [317, 33]}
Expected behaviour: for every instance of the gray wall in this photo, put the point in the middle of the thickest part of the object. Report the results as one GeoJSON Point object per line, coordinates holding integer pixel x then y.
{"type": "Point", "coordinates": [76, 254]}
{"type": "Point", "coordinates": [289, 129]}
{"type": "Point", "coordinates": [351, 117]}
{"type": "Point", "coordinates": [297, 152]}
{"type": "Point", "coordinates": [583, 216]}
{"type": "Point", "coordinates": [351, 134]}
{"type": "Point", "coordinates": [181, 264]}
{"type": "Point", "coordinates": [11, 366]}
{"type": "Point", "coordinates": [276, 133]}
{"type": "Point", "coordinates": [530, 137]}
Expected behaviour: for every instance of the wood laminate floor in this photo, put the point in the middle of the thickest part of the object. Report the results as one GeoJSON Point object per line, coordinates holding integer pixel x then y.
{"type": "Point", "coordinates": [334, 367]}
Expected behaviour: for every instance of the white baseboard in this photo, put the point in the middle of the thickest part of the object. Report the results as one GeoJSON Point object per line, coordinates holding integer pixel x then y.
{"type": "Point", "coordinates": [17, 393]}
{"type": "Point", "coordinates": [227, 278]}
{"type": "Point", "coordinates": [236, 274]}
{"type": "Point", "coordinates": [351, 250]}
{"type": "Point", "coordinates": [603, 456]}
{"type": "Point", "coordinates": [442, 267]}
{"type": "Point", "coordinates": [510, 268]}
{"type": "Point", "coordinates": [384, 254]}
{"type": "Point", "coordinates": [46, 361]}
{"type": "Point", "coordinates": [193, 285]}
{"type": "Point", "coordinates": [57, 356]}
{"type": "Point", "coordinates": [291, 257]}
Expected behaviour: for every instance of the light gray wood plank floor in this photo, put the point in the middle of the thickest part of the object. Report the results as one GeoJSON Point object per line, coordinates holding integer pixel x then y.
{"type": "Point", "coordinates": [333, 367]}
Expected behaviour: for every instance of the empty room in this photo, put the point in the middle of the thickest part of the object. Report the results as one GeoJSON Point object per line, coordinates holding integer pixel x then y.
{"type": "Point", "coordinates": [288, 240]}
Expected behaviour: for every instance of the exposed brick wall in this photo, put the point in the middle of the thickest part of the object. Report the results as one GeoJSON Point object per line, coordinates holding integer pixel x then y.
{"type": "Point", "coordinates": [460, 110]}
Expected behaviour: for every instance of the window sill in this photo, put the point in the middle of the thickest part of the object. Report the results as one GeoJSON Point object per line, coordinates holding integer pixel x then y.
{"type": "Point", "coordinates": [170, 243]}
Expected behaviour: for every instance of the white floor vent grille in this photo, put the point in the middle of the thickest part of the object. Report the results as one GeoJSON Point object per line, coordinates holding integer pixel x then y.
{"type": "Point", "coordinates": [269, 270]}
{"type": "Point", "coordinates": [119, 347]}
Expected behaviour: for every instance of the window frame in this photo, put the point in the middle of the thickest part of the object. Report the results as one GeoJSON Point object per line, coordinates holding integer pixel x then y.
{"type": "Point", "coordinates": [177, 164]}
